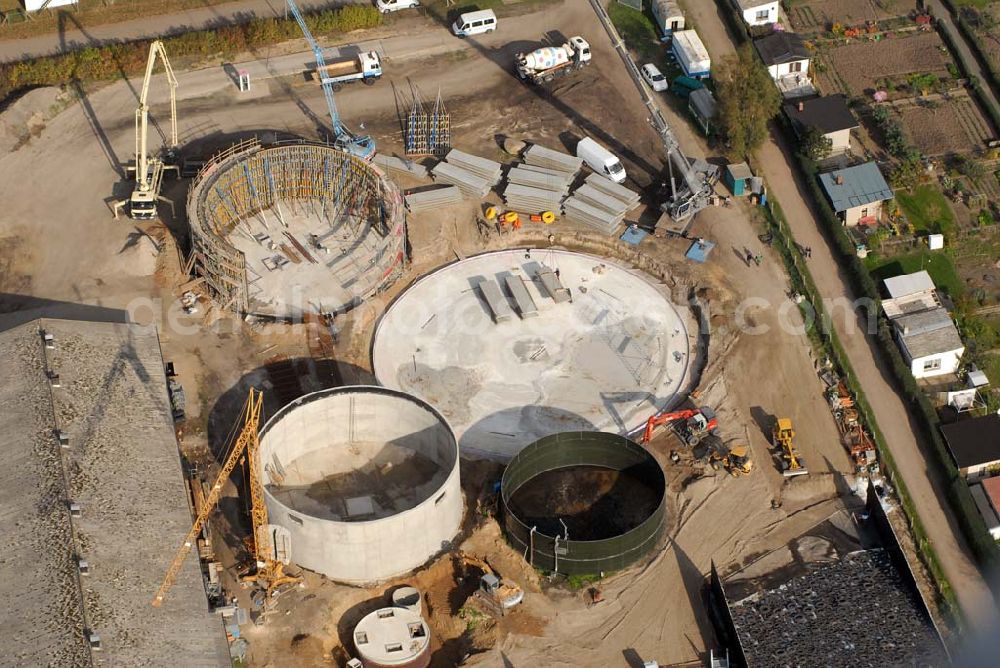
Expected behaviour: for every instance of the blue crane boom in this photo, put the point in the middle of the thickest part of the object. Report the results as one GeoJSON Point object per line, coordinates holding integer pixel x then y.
{"type": "Point", "coordinates": [362, 146]}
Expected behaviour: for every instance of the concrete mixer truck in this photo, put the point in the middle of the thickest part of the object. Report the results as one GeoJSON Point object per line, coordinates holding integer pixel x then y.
{"type": "Point", "coordinates": [544, 64]}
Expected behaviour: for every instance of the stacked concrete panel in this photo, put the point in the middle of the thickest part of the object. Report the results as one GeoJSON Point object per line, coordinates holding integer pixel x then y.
{"type": "Point", "coordinates": [545, 157]}
{"type": "Point", "coordinates": [535, 200]}
{"type": "Point", "coordinates": [619, 192]}
{"type": "Point", "coordinates": [525, 304]}
{"type": "Point", "coordinates": [468, 182]}
{"type": "Point", "coordinates": [553, 286]}
{"type": "Point", "coordinates": [582, 211]}
{"type": "Point", "coordinates": [487, 170]}
{"type": "Point", "coordinates": [499, 308]}
{"type": "Point", "coordinates": [430, 199]}
{"type": "Point", "coordinates": [554, 180]}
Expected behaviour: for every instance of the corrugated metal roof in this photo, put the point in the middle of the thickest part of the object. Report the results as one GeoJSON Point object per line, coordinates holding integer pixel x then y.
{"type": "Point", "coordinates": [908, 284]}
{"type": "Point", "coordinates": [861, 184]}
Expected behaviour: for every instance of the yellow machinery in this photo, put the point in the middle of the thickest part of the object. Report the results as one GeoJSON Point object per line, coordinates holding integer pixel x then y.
{"type": "Point", "coordinates": [784, 437]}
{"type": "Point", "coordinates": [149, 169]}
{"type": "Point", "coordinates": [738, 461]}
{"type": "Point", "coordinates": [269, 571]}
{"type": "Point", "coordinates": [498, 596]}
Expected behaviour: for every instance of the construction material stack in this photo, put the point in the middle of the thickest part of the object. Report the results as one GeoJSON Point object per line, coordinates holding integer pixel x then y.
{"type": "Point", "coordinates": [473, 175]}
{"type": "Point", "coordinates": [392, 163]}
{"type": "Point", "coordinates": [600, 203]}
{"type": "Point", "coordinates": [539, 156]}
{"type": "Point", "coordinates": [433, 198]}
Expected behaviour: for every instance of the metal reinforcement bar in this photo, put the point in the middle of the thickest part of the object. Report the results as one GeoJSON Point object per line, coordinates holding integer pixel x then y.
{"type": "Point", "coordinates": [575, 557]}
{"type": "Point", "coordinates": [249, 178]}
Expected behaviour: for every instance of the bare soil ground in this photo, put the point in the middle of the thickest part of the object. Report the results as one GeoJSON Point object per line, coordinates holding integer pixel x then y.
{"type": "Point", "coordinates": [858, 67]}
{"type": "Point", "coordinates": [939, 126]}
{"type": "Point", "coordinates": [69, 248]}
{"type": "Point", "coordinates": [809, 16]}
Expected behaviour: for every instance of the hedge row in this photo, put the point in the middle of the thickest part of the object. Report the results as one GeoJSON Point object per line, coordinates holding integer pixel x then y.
{"type": "Point", "coordinates": [129, 58]}
{"type": "Point", "coordinates": [977, 52]}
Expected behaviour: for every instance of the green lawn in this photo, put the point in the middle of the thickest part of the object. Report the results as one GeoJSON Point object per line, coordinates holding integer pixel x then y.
{"type": "Point", "coordinates": [638, 31]}
{"type": "Point", "coordinates": [927, 210]}
{"type": "Point", "coordinates": [936, 263]}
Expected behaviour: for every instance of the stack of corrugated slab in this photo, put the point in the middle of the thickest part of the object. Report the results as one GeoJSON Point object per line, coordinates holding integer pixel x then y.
{"type": "Point", "coordinates": [532, 200]}
{"type": "Point", "coordinates": [499, 308]}
{"type": "Point", "coordinates": [395, 164]}
{"type": "Point", "coordinates": [433, 198]}
{"type": "Point", "coordinates": [488, 170]}
{"type": "Point", "coordinates": [619, 192]}
{"type": "Point", "coordinates": [582, 211]}
{"type": "Point", "coordinates": [469, 183]}
{"type": "Point", "coordinates": [547, 180]}
{"type": "Point", "coordinates": [526, 307]}
{"type": "Point", "coordinates": [545, 157]}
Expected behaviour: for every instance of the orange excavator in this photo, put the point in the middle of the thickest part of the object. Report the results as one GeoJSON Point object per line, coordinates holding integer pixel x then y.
{"type": "Point", "coordinates": [691, 424]}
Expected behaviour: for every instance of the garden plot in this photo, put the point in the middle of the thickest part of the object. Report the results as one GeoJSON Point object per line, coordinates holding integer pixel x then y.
{"type": "Point", "coordinates": [859, 67]}
{"type": "Point", "coordinates": [942, 126]}
{"type": "Point", "coordinates": [986, 29]}
{"type": "Point", "coordinates": [820, 15]}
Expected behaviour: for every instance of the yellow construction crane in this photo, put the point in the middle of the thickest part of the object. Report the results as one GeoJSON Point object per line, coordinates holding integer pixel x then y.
{"type": "Point", "coordinates": [269, 572]}
{"type": "Point", "coordinates": [784, 437]}
{"type": "Point", "coordinates": [149, 169]}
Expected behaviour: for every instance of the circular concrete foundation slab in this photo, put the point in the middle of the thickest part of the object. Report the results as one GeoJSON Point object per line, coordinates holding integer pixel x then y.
{"type": "Point", "coordinates": [604, 359]}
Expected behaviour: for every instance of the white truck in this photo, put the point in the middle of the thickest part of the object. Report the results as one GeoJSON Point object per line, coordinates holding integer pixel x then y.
{"type": "Point", "coordinates": [544, 64]}
{"type": "Point", "coordinates": [366, 67]}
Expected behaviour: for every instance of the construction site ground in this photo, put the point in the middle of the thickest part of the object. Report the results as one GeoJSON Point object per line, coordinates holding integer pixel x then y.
{"type": "Point", "coordinates": [60, 247]}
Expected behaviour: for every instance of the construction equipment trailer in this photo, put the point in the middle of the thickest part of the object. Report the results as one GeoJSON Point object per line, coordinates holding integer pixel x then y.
{"type": "Point", "coordinates": [149, 169]}
{"type": "Point", "coordinates": [690, 186]}
{"type": "Point", "coordinates": [362, 146]}
{"type": "Point", "coordinates": [267, 572]}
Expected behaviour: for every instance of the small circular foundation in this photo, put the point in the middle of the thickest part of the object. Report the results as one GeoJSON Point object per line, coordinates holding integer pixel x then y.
{"type": "Point", "coordinates": [582, 503]}
{"type": "Point", "coordinates": [364, 479]}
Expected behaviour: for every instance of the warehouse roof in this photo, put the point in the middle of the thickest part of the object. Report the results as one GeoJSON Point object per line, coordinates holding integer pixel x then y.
{"type": "Point", "coordinates": [929, 332]}
{"type": "Point", "coordinates": [102, 385]}
{"type": "Point", "coordinates": [974, 441]}
{"type": "Point", "coordinates": [829, 113]}
{"type": "Point", "coordinates": [855, 186]}
{"type": "Point", "coordinates": [781, 47]}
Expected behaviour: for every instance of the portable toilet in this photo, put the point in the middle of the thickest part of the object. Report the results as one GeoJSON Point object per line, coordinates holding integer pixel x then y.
{"type": "Point", "coordinates": [668, 16]}
{"type": "Point", "coordinates": [738, 177]}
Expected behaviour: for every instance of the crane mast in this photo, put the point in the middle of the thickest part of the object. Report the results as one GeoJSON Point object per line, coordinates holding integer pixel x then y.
{"type": "Point", "coordinates": [697, 181]}
{"type": "Point", "coordinates": [269, 571]}
{"type": "Point", "coordinates": [362, 146]}
{"type": "Point", "coordinates": [149, 170]}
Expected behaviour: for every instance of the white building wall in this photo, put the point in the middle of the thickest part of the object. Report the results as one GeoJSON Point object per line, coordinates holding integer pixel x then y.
{"type": "Point", "coordinates": [944, 363]}
{"type": "Point", "coordinates": [788, 69]}
{"type": "Point", "coordinates": [750, 15]}
{"type": "Point", "coordinates": [841, 140]}
{"type": "Point", "coordinates": [852, 217]}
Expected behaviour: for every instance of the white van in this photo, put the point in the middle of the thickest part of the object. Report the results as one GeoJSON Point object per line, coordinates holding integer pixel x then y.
{"type": "Point", "coordinates": [475, 23]}
{"type": "Point", "coordinates": [600, 159]}
{"type": "Point", "coordinates": [386, 6]}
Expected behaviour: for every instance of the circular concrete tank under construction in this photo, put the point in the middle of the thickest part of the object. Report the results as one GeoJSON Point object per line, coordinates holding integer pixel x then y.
{"type": "Point", "coordinates": [515, 345]}
{"type": "Point", "coordinates": [582, 503]}
{"type": "Point", "coordinates": [393, 638]}
{"type": "Point", "coordinates": [294, 227]}
{"type": "Point", "coordinates": [365, 480]}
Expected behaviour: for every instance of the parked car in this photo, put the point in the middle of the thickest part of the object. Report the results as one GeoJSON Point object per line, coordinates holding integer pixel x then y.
{"type": "Point", "coordinates": [654, 77]}
{"type": "Point", "coordinates": [475, 23]}
{"type": "Point", "coordinates": [386, 6]}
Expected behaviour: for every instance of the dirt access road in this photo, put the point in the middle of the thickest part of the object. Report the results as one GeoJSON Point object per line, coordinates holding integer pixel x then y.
{"type": "Point", "coordinates": [909, 451]}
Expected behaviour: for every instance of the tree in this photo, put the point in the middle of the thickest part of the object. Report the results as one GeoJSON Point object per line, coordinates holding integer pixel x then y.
{"type": "Point", "coordinates": [748, 99]}
{"type": "Point", "coordinates": [815, 144]}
